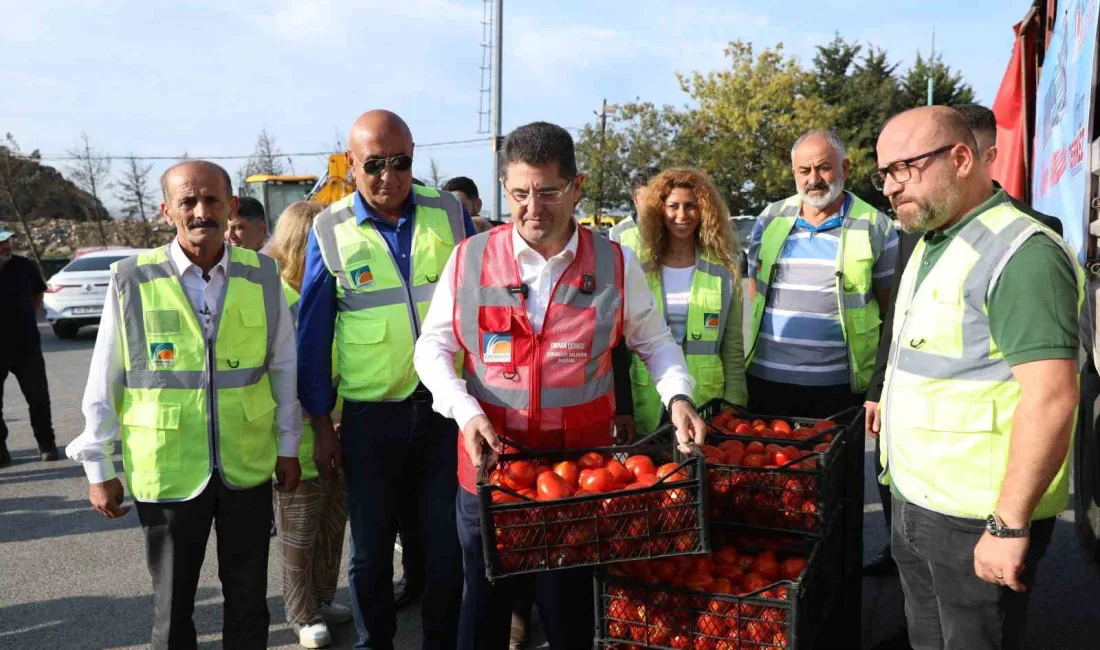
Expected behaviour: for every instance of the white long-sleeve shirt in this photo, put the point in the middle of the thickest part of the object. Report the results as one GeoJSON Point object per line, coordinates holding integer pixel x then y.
{"type": "Point", "coordinates": [644, 329]}
{"type": "Point", "coordinates": [103, 394]}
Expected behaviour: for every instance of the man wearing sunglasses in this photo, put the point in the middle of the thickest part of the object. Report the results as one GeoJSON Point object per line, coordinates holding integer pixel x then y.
{"type": "Point", "coordinates": [373, 261]}
{"type": "Point", "coordinates": [981, 387]}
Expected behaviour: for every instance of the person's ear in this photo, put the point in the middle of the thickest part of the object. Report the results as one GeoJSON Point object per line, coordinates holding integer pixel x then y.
{"type": "Point", "coordinates": [846, 167]}
{"type": "Point", "coordinates": [578, 182]}
{"type": "Point", "coordinates": [477, 207]}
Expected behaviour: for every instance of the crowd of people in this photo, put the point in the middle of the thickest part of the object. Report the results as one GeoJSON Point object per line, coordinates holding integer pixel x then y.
{"type": "Point", "coordinates": [365, 361]}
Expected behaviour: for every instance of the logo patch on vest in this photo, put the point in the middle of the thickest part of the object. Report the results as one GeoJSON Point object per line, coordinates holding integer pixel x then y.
{"type": "Point", "coordinates": [711, 320]}
{"type": "Point", "coordinates": [496, 348]}
{"type": "Point", "coordinates": [361, 277]}
{"type": "Point", "coordinates": [162, 354]}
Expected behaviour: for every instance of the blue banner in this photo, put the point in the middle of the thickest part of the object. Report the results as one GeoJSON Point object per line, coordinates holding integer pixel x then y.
{"type": "Point", "coordinates": [1063, 121]}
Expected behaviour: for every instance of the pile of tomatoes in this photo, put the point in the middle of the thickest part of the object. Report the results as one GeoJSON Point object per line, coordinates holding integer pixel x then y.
{"type": "Point", "coordinates": [714, 618]}
{"type": "Point", "coordinates": [727, 423]}
{"type": "Point", "coordinates": [625, 524]}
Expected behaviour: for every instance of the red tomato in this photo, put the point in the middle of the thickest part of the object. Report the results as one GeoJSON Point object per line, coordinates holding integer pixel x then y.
{"type": "Point", "coordinates": [732, 572]}
{"type": "Point", "coordinates": [591, 460]}
{"type": "Point", "coordinates": [824, 425]}
{"type": "Point", "coordinates": [782, 457]}
{"type": "Point", "coordinates": [670, 470]}
{"type": "Point", "coordinates": [752, 460]}
{"type": "Point", "coordinates": [742, 429]}
{"type": "Point", "coordinates": [759, 423]}
{"type": "Point", "coordinates": [727, 445]}
{"type": "Point", "coordinates": [791, 568]}
{"type": "Point", "coordinates": [752, 582]}
{"type": "Point", "coordinates": [497, 477]}
{"type": "Point", "coordinates": [727, 555]}
{"type": "Point", "coordinates": [754, 447]}
{"type": "Point", "coordinates": [619, 472]}
{"type": "Point", "coordinates": [568, 471]}
{"type": "Point", "coordinates": [598, 480]}
{"type": "Point", "coordinates": [711, 625]}
{"type": "Point", "coordinates": [529, 493]}
{"type": "Point", "coordinates": [699, 582]}
{"type": "Point", "coordinates": [639, 465]}
{"type": "Point", "coordinates": [821, 447]}
{"type": "Point", "coordinates": [504, 497]}
{"type": "Point", "coordinates": [543, 468]}
{"type": "Point", "coordinates": [551, 486]}
{"type": "Point", "coordinates": [780, 425]}
{"type": "Point", "coordinates": [519, 474]}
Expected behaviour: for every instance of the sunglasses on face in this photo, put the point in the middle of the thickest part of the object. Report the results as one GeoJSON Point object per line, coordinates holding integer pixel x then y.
{"type": "Point", "coordinates": [375, 166]}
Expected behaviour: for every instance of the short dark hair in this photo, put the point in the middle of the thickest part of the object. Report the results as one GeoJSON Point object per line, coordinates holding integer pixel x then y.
{"type": "Point", "coordinates": [251, 209]}
{"type": "Point", "coordinates": [540, 143]}
{"type": "Point", "coordinates": [642, 178]}
{"type": "Point", "coordinates": [461, 184]}
{"type": "Point", "coordinates": [981, 120]}
{"type": "Point", "coordinates": [198, 163]}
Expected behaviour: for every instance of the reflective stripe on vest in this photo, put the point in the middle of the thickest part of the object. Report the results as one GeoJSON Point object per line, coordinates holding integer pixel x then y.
{"type": "Point", "coordinates": [950, 396]}
{"type": "Point", "coordinates": [378, 313]}
{"type": "Point", "coordinates": [858, 308]}
{"type": "Point", "coordinates": [173, 406]}
{"type": "Point", "coordinates": [553, 390]}
{"type": "Point", "coordinates": [626, 233]}
{"type": "Point", "coordinates": [711, 295]}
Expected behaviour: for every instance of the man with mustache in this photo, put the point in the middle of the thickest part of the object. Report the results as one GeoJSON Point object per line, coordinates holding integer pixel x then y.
{"type": "Point", "coordinates": [194, 365]}
{"type": "Point", "coordinates": [373, 262]}
{"type": "Point", "coordinates": [981, 387]}
{"type": "Point", "coordinates": [820, 265]}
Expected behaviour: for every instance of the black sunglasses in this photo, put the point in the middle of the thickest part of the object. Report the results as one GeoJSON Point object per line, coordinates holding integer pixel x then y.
{"type": "Point", "coordinates": [401, 163]}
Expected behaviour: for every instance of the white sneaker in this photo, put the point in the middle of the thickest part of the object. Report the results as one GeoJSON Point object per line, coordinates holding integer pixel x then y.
{"type": "Point", "coordinates": [313, 634]}
{"type": "Point", "coordinates": [334, 613]}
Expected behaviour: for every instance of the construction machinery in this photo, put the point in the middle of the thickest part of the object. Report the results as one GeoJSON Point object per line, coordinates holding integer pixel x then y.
{"type": "Point", "coordinates": [276, 192]}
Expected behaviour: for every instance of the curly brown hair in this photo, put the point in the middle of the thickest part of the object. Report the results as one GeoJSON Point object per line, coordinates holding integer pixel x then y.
{"type": "Point", "coordinates": [714, 234]}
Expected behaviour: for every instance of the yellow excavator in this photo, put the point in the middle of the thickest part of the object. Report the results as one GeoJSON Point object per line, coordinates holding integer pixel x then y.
{"type": "Point", "coordinates": [276, 192]}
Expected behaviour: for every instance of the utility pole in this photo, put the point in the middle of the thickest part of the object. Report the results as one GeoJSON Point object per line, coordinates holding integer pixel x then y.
{"type": "Point", "coordinates": [494, 118]}
{"type": "Point", "coordinates": [604, 110]}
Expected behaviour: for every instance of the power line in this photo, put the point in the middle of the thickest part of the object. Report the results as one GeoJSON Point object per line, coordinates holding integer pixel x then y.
{"type": "Point", "coordinates": [67, 157]}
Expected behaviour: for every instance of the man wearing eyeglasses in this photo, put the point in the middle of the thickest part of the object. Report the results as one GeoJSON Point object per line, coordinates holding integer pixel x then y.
{"type": "Point", "coordinates": [820, 264]}
{"type": "Point", "coordinates": [981, 387]}
{"type": "Point", "coordinates": [372, 264]}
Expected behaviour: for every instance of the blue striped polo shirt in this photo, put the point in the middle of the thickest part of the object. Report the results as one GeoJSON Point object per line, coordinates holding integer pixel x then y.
{"type": "Point", "coordinates": [801, 340]}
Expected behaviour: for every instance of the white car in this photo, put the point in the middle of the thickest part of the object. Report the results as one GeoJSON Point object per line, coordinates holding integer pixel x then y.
{"type": "Point", "coordinates": [75, 294]}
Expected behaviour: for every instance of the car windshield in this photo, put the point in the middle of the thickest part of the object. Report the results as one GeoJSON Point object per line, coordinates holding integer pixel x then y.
{"type": "Point", "coordinates": [97, 263]}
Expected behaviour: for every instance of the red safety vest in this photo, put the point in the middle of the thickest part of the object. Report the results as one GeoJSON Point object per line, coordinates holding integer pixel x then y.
{"type": "Point", "coordinates": [553, 390]}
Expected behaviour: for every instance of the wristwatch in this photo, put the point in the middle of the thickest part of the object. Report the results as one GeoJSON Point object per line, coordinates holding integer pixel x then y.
{"type": "Point", "coordinates": [681, 397]}
{"type": "Point", "coordinates": [997, 528]}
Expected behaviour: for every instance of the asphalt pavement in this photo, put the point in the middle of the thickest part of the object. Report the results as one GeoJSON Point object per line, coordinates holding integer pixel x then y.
{"type": "Point", "coordinates": [73, 580]}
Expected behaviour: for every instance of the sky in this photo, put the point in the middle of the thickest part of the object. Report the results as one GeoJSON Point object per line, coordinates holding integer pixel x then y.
{"type": "Point", "coordinates": [204, 77]}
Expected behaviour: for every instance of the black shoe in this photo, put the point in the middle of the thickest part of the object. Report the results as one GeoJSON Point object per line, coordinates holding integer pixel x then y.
{"type": "Point", "coordinates": [5, 457]}
{"type": "Point", "coordinates": [404, 594]}
{"type": "Point", "coordinates": [882, 565]}
{"type": "Point", "coordinates": [46, 455]}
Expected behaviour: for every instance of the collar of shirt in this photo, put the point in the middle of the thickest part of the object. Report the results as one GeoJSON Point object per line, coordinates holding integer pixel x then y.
{"type": "Point", "coordinates": [524, 253]}
{"type": "Point", "coordinates": [364, 212]}
{"type": "Point", "coordinates": [180, 259]}
{"type": "Point", "coordinates": [835, 221]}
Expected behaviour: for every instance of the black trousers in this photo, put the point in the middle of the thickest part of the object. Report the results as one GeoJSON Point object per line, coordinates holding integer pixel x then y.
{"type": "Point", "coordinates": [774, 398]}
{"type": "Point", "coordinates": [29, 368]}
{"type": "Point", "coordinates": [947, 606]}
{"type": "Point", "coordinates": [175, 546]}
{"type": "Point", "coordinates": [564, 597]}
{"type": "Point", "coordinates": [401, 455]}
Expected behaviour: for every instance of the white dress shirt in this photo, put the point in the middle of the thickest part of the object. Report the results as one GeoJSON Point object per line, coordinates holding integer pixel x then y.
{"type": "Point", "coordinates": [644, 329]}
{"type": "Point", "coordinates": [103, 394]}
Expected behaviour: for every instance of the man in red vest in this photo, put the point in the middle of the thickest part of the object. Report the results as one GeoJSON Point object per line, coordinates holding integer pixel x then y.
{"type": "Point", "coordinates": [537, 306]}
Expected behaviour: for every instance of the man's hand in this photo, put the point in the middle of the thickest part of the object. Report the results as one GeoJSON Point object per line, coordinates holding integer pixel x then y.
{"type": "Point", "coordinates": [477, 432]}
{"type": "Point", "coordinates": [1000, 561]}
{"type": "Point", "coordinates": [624, 429]}
{"type": "Point", "coordinates": [287, 473]}
{"type": "Point", "coordinates": [326, 447]}
{"type": "Point", "coordinates": [106, 497]}
{"type": "Point", "coordinates": [689, 427]}
{"type": "Point", "coordinates": [872, 418]}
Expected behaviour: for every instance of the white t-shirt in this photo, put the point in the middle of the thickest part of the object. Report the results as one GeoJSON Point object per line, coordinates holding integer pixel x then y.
{"type": "Point", "coordinates": [677, 285]}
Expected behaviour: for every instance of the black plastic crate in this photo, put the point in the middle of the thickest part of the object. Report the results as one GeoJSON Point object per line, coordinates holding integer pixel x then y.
{"type": "Point", "coordinates": [523, 535]}
{"type": "Point", "coordinates": [634, 610]}
{"type": "Point", "coordinates": [840, 423]}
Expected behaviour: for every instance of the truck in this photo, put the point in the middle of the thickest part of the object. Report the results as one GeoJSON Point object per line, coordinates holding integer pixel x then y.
{"type": "Point", "coordinates": [1049, 157]}
{"type": "Point", "coordinates": [276, 192]}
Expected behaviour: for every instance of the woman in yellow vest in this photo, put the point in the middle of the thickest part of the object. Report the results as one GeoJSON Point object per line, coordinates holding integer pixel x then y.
{"type": "Point", "coordinates": [311, 519]}
{"type": "Point", "coordinates": [689, 253]}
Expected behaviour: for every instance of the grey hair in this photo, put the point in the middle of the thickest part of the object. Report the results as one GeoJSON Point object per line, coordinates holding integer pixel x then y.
{"type": "Point", "coordinates": [832, 138]}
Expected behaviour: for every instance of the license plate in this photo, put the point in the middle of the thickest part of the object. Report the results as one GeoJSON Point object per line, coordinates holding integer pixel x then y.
{"type": "Point", "coordinates": [86, 311]}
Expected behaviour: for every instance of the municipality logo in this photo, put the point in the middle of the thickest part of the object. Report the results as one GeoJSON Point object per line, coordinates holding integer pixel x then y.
{"type": "Point", "coordinates": [496, 348]}
{"type": "Point", "coordinates": [362, 277]}
{"type": "Point", "coordinates": [162, 354]}
{"type": "Point", "coordinates": [711, 321]}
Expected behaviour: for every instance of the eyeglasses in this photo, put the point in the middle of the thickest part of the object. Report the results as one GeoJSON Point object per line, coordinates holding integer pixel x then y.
{"type": "Point", "coordinates": [546, 197]}
{"type": "Point", "coordinates": [902, 170]}
{"type": "Point", "coordinates": [401, 163]}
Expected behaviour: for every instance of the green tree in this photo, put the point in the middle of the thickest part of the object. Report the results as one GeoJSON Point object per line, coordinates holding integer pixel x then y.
{"type": "Point", "coordinates": [948, 87]}
{"type": "Point", "coordinates": [748, 117]}
{"type": "Point", "coordinates": [832, 64]}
